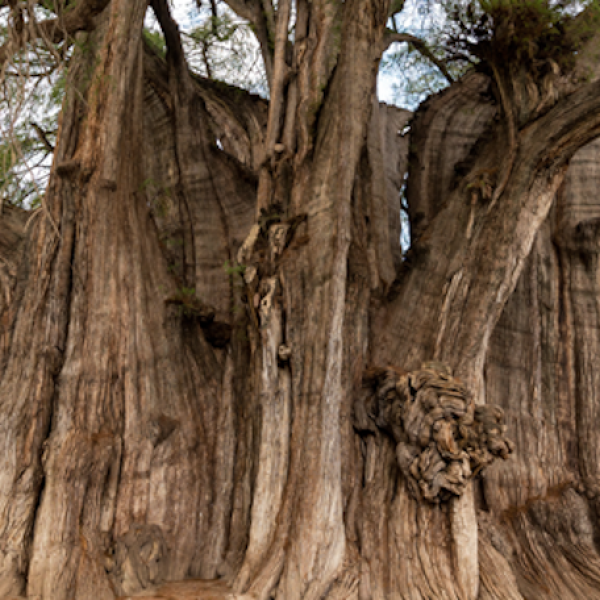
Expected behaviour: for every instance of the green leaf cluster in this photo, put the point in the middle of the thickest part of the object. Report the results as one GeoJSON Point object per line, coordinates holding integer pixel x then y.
{"type": "Point", "coordinates": [155, 40]}
{"type": "Point", "coordinates": [223, 47]}
{"type": "Point", "coordinates": [221, 28]}
{"type": "Point", "coordinates": [530, 32]}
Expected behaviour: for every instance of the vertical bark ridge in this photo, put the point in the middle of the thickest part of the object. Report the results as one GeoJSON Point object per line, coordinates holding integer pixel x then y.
{"type": "Point", "coordinates": [218, 199]}
{"type": "Point", "coordinates": [137, 446]}
{"type": "Point", "coordinates": [310, 533]}
{"type": "Point", "coordinates": [454, 120]}
{"type": "Point", "coordinates": [38, 332]}
{"type": "Point", "coordinates": [14, 233]}
{"type": "Point", "coordinates": [542, 502]}
{"type": "Point", "coordinates": [218, 205]}
{"type": "Point", "coordinates": [29, 393]}
{"type": "Point", "coordinates": [435, 312]}
{"type": "Point", "coordinates": [379, 180]}
{"type": "Point", "coordinates": [441, 544]}
{"type": "Point", "coordinates": [273, 453]}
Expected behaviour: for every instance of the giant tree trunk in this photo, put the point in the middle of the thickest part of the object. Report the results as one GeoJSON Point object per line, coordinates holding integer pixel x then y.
{"type": "Point", "coordinates": [215, 362]}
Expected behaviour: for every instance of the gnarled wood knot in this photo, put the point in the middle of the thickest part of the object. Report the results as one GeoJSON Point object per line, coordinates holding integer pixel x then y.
{"type": "Point", "coordinates": [442, 439]}
{"type": "Point", "coordinates": [138, 560]}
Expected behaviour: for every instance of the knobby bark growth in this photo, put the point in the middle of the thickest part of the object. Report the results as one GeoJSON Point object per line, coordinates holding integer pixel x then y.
{"type": "Point", "coordinates": [217, 364]}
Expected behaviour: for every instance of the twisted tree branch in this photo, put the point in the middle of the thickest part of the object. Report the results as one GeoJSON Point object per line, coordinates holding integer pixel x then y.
{"type": "Point", "coordinates": [81, 18]}
{"type": "Point", "coordinates": [391, 37]}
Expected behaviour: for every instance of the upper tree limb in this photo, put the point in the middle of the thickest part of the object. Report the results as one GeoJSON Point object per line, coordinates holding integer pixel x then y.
{"type": "Point", "coordinates": [80, 18]}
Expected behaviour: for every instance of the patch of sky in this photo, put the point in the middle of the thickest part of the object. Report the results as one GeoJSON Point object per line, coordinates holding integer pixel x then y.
{"type": "Point", "coordinates": [218, 44]}
{"type": "Point", "coordinates": [406, 77]}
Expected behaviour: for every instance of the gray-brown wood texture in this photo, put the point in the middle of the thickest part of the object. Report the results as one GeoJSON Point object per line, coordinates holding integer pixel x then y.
{"type": "Point", "coordinates": [217, 364]}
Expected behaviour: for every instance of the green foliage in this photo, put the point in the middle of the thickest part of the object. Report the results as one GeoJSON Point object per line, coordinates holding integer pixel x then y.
{"type": "Point", "coordinates": [267, 219]}
{"type": "Point", "coordinates": [189, 305]}
{"type": "Point", "coordinates": [530, 32]}
{"type": "Point", "coordinates": [223, 47]}
{"type": "Point", "coordinates": [175, 242]}
{"type": "Point", "coordinates": [216, 29]}
{"type": "Point", "coordinates": [406, 70]}
{"type": "Point", "coordinates": [58, 87]}
{"type": "Point", "coordinates": [24, 164]}
{"type": "Point", "coordinates": [33, 86]}
{"type": "Point", "coordinates": [159, 196]}
{"type": "Point", "coordinates": [155, 40]}
{"type": "Point", "coordinates": [232, 269]}
{"type": "Point", "coordinates": [187, 292]}
{"type": "Point", "coordinates": [535, 34]}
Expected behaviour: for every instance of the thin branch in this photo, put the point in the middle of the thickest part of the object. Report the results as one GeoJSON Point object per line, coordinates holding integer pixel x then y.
{"type": "Point", "coordinates": [252, 11]}
{"type": "Point", "coordinates": [42, 137]}
{"type": "Point", "coordinates": [391, 37]}
{"type": "Point", "coordinates": [206, 59]}
{"type": "Point", "coordinates": [396, 6]}
{"type": "Point", "coordinates": [269, 17]}
{"type": "Point", "coordinates": [81, 18]}
{"type": "Point", "coordinates": [280, 72]}
{"type": "Point", "coordinates": [18, 74]}
{"type": "Point", "coordinates": [215, 15]}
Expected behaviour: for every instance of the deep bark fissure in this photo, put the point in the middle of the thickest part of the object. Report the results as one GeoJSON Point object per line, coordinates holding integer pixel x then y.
{"type": "Point", "coordinates": [69, 222]}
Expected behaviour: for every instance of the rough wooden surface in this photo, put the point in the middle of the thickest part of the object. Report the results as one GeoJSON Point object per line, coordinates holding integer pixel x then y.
{"type": "Point", "coordinates": [442, 438]}
{"type": "Point", "coordinates": [184, 590]}
{"type": "Point", "coordinates": [186, 337]}
{"type": "Point", "coordinates": [544, 346]}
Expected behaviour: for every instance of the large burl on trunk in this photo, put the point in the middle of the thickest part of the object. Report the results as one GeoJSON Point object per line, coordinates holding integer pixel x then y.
{"type": "Point", "coordinates": [216, 363]}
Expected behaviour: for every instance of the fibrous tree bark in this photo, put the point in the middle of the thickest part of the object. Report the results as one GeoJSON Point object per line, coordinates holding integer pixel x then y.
{"type": "Point", "coordinates": [216, 362]}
